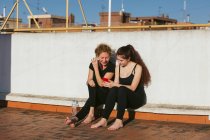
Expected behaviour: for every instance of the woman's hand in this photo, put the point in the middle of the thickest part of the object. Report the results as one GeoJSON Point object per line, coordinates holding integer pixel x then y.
{"type": "Point", "coordinates": [91, 83]}
{"type": "Point", "coordinates": [110, 84]}
{"type": "Point", "coordinates": [94, 62]}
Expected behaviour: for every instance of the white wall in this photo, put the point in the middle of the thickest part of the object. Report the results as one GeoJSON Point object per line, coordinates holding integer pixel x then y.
{"type": "Point", "coordinates": [56, 64]}
{"type": "Point", "coordinates": [180, 68]}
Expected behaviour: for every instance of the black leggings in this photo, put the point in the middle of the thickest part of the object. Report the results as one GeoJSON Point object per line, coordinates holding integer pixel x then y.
{"type": "Point", "coordinates": [125, 98]}
{"type": "Point", "coordinates": [97, 97]}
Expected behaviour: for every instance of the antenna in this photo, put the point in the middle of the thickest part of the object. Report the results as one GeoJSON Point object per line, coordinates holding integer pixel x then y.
{"type": "Point", "coordinates": [38, 5]}
{"type": "Point", "coordinates": [122, 7]}
{"type": "Point", "coordinates": [109, 15]}
{"type": "Point", "coordinates": [102, 7]}
{"type": "Point", "coordinates": [185, 10]}
{"type": "Point", "coordinates": [44, 10]}
{"type": "Point", "coordinates": [159, 10]}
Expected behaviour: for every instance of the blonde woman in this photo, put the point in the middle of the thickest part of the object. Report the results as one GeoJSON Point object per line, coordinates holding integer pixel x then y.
{"type": "Point", "coordinates": [100, 68]}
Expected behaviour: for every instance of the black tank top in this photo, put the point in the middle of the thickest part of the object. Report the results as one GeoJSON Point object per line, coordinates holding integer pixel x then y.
{"type": "Point", "coordinates": [128, 80]}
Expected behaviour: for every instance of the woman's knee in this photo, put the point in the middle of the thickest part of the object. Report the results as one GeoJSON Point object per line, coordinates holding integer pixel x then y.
{"type": "Point", "coordinates": [91, 88]}
{"type": "Point", "coordinates": [113, 93]}
{"type": "Point", "coordinates": [113, 90]}
{"type": "Point", "coordinates": [123, 90]}
{"type": "Point", "coordinates": [138, 101]}
{"type": "Point", "coordinates": [144, 100]}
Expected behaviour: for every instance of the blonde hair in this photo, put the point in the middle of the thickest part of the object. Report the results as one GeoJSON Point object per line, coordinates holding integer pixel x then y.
{"type": "Point", "coordinates": [103, 48]}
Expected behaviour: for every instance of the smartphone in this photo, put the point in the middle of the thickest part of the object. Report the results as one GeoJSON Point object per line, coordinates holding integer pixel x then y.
{"type": "Point", "coordinates": [105, 79]}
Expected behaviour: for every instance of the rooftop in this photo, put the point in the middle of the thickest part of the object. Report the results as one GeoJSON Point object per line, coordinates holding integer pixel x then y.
{"type": "Point", "coordinates": [46, 16]}
{"type": "Point", "coordinates": [40, 125]}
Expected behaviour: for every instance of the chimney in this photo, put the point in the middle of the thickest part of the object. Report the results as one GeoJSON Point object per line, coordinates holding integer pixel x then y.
{"type": "Point", "coordinates": [4, 12]}
{"type": "Point", "coordinates": [188, 18]}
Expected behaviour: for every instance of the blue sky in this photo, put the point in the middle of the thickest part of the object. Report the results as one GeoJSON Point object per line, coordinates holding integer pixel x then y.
{"type": "Point", "coordinates": [199, 10]}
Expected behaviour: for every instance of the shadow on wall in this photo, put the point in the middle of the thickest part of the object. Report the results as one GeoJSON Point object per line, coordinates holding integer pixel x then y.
{"type": "Point", "coordinates": [5, 65]}
{"type": "Point", "coordinates": [113, 57]}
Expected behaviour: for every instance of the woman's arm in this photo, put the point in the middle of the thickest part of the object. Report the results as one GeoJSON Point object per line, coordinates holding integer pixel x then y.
{"type": "Point", "coordinates": [109, 75]}
{"type": "Point", "coordinates": [114, 83]}
{"type": "Point", "coordinates": [96, 70]}
{"type": "Point", "coordinates": [99, 79]}
{"type": "Point", "coordinates": [116, 78]}
{"type": "Point", "coordinates": [90, 78]}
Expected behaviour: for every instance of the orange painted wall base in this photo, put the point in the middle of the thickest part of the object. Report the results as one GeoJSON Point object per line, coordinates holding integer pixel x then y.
{"type": "Point", "coordinates": [196, 119]}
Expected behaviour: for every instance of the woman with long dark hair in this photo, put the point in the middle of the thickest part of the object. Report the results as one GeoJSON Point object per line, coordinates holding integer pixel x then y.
{"type": "Point", "coordinates": [127, 89]}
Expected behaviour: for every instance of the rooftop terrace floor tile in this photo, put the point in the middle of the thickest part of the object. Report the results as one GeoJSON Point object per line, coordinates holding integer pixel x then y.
{"type": "Point", "coordinates": [22, 124]}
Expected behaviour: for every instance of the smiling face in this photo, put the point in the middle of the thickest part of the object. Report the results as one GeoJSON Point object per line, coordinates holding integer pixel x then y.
{"type": "Point", "coordinates": [104, 58]}
{"type": "Point", "coordinates": [122, 61]}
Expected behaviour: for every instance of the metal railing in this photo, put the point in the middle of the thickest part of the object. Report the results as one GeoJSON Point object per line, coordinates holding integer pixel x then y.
{"type": "Point", "coordinates": [113, 28]}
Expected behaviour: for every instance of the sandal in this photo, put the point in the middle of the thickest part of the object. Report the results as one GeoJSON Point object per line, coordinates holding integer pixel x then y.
{"type": "Point", "coordinates": [71, 121]}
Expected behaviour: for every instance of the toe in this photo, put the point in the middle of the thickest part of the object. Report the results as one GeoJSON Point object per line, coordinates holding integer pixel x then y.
{"type": "Point", "coordinates": [72, 125]}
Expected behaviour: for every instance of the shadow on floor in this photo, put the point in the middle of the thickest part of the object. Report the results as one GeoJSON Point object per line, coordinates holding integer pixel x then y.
{"type": "Point", "coordinates": [3, 104]}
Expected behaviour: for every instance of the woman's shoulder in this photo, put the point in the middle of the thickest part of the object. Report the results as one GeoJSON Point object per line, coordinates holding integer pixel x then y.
{"type": "Point", "coordinates": [136, 65]}
{"type": "Point", "coordinates": [91, 66]}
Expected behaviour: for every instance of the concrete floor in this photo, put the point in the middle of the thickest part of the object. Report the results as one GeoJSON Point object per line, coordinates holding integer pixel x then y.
{"type": "Point", "coordinates": [21, 124]}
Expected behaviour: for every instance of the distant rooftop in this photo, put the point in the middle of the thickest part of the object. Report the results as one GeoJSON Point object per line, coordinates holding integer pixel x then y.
{"type": "Point", "coordinates": [46, 16]}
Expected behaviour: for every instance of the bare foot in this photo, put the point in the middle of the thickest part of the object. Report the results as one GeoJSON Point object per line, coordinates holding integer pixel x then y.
{"type": "Point", "coordinates": [71, 121]}
{"type": "Point", "coordinates": [116, 125]}
{"type": "Point", "coordinates": [72, 125]}
{"type": "Point", "coordinates": [101, 123]}
{"type": "Point", "coordinates": [67, 121]}
{"type": "Point", "coordinates": [89, 119]}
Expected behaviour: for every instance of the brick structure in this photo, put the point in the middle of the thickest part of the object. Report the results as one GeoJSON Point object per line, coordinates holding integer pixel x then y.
{"type": "Point", "coordinates": [153, 20]}
{"type": "Point", "coordinates": [120, 18]}
{"type": "Point", "coordinates": [48, 21]}
{"type": "Point", "coordinates": [117, 18]}
{"type": "Point", "coordinates": [11, 23]}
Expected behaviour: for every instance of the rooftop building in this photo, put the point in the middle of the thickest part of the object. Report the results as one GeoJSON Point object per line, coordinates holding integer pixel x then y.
{"type": "Point", "coordinates": [11, 23]}
{"type": "Point", "coordinates": [48, 20]}
{"type": "Point", "coordinates": [119, 18]}
{"type": "Point", "coordinates": [153, 20]}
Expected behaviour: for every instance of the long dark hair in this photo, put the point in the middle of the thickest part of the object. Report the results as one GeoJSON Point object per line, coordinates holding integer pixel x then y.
{"type": "Point", "coordinates": [127, 52]}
